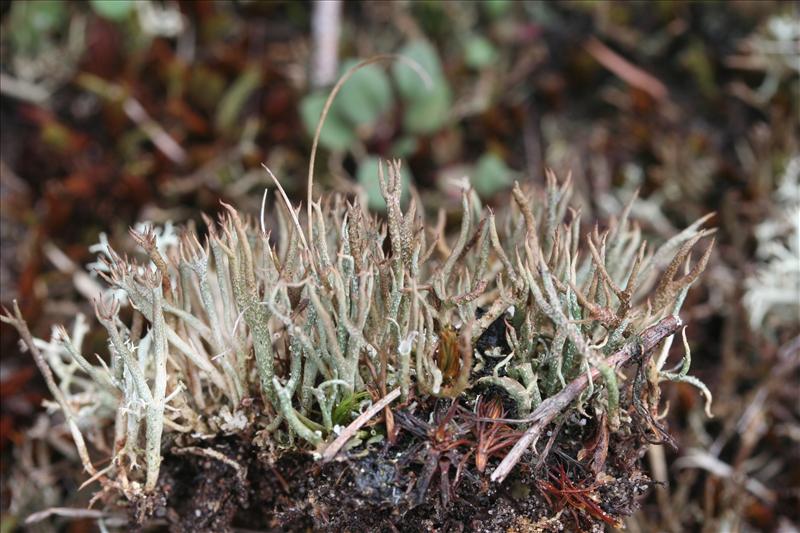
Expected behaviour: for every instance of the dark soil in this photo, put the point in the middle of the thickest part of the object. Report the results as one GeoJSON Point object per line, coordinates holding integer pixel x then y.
{"type": "Point", "coordinates": [400, 487]}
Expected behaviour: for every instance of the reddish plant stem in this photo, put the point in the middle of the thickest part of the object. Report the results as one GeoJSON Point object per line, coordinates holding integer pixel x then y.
{"type": "Point", "coordinates": [550, 408]}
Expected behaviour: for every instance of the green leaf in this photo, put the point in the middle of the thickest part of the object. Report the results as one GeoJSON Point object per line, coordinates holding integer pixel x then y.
{"type": "Point", "coordinates": [426, 108]}
{"type": "Point", "coordinates": [408, 80]}
{"type": "Point", "coordinates": [337, 133]}
{"type": "Point", "coordinates": [235, 98]}
{"type": "Point", "coordinates": [479, 52]}
{"type": "Point", "coordinates": [491, 175]}
{"type": "Point", "coordinates": [367, 177]}
{"type": "Point", "coordinates": [365, 96]}
{"type": "Point", "coordinates": [496, 8]}
{"type": "Point", "coordinates": [116, 10]}
{"type": "Point", "coordinates": [30, 22]}
{"type": "Point", "coordinates": [404, 147]}
{"type": "Point", "coordinates": [45, 15]}
{"type": "Point", "coordinates": [426, 115]}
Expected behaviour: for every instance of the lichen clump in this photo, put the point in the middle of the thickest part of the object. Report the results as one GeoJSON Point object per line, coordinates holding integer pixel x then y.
{"type": "Point", "coordinates": [286, 336]}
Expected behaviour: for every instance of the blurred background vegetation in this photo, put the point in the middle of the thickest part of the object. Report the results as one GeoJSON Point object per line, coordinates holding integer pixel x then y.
{"type": "Point", "coordinates": [117, 111]}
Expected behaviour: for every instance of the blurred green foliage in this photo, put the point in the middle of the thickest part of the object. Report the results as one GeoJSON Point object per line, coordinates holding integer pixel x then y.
{"type": "Point", "coordinates": [368, 95]}
{"type": "Point", "coordinates": [337, 133]}
{"type": "Point", "coordinates": [426, 108]}
{"type": "Point", "coordinates": [32, 22]}
{"type": "Point", "coordinates": [410, 105]}
{"type": "Point", "coordinates": [232, 103]}
{"type": "Point", "coordinates": [479, 52]}
{"type": "Point", "coordinates": [491, 175]}
{"type": "Point", "coordinates": [115, 10]}
{"type": "Point", "coordinates": [367, 98]}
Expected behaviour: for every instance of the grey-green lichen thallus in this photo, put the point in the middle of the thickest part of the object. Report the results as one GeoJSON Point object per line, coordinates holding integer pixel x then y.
{"type": "Point", "coordinates": [317, 324]}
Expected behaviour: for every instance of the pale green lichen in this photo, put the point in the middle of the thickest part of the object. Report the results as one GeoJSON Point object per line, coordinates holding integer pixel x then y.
{"type": "Point", "coordinates": [313, 322]}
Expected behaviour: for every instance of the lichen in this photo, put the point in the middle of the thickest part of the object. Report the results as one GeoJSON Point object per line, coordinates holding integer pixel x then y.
{"type": "Point", "coordinates": [306, 319]}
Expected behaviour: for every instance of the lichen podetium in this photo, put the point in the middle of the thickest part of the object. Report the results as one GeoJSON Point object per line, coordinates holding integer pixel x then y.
{"type": "Point", "coordinates": [288, 336]}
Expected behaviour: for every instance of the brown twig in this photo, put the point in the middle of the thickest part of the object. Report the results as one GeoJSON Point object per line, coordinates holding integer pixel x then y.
{"type": "Point", "coordinates": [630, 73]}
{"type": "Point", "coordinates": [549, 409]}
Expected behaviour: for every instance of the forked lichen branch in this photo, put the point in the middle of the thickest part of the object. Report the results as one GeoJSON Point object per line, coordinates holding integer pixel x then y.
{"type": "Point", "coordinates": [291, 333]}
